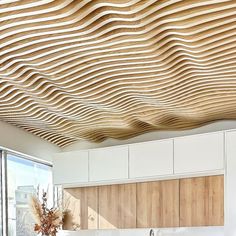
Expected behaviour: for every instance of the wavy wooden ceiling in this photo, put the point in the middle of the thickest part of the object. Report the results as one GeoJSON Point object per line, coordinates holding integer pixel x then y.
{"type": "Point", "coordinates": [72, 69]}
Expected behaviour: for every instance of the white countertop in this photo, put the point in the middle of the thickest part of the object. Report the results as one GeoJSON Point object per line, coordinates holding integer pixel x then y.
{"type": "Point", "coordinates": [200, 231]}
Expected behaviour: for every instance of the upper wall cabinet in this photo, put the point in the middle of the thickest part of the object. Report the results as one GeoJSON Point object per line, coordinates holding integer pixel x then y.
{"type": "Point", "coordinates": [70, 167]}
{"type": "Point", "coordinates": [151, 159]}
{"type": "Point", "coordinates": [189, 155]}
{"type": "Point", "coordinates": [199, 153]}
{"type": "Point", "coordinates": [107, 164]}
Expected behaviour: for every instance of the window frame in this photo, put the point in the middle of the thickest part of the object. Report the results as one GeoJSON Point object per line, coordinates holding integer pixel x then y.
{"type": "Point", "coordinates": [4, 183]}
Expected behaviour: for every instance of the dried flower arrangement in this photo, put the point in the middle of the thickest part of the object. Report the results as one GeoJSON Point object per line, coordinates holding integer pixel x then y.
{"type": "Point", "coordinates": [48, 221]}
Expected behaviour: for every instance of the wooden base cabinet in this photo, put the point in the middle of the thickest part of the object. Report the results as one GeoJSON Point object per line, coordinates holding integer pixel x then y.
{"type": "Point", "coordinates": [202, 201]}
{"type": "Point", "coordinates": [187, 202]}
{"type": "Point", "coordinates": [158, 204]}
{"type": "Point", "coordinates": [83, 206]}
{"type": "Point", "coordinates": [117, 206]}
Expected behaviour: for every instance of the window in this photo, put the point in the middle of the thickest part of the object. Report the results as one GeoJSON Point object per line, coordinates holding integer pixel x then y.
{"type": "Point", "coordinates": [24, 178]}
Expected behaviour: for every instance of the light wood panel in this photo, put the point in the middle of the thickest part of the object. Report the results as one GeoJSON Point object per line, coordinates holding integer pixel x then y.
{"type": "Point", "coordinates": [83, 204]}
{"type": "Point", "coordinates": [172, 203]}
{"type": "Point", "coordinates": [158, 204]}
{"type": "Point", "coordinates": [202, 201]}
{"type": "Point", "coordinates": [99, 69]}
{"type": "Point", "coordinates": [117, 206]}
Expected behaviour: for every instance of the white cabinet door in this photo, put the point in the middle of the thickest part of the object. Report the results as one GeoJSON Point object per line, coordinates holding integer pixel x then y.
{"type": "Point", "coordinates": [199, 153]}
{"type": "Point", "coordinates": [151, 159]}
{"type": "Point", "coordinates": [108, 164]}
{"type": "Point", "coordinates": [70, 167]}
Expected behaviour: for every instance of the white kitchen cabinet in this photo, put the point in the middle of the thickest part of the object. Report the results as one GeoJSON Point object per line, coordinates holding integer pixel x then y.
{"type": "Point", "coordinates": [199, 153]}
{"type": "Point", "coordinates": [107, 164]}
{"type": "Point", "coordinates": [150, 159]}
{"type": "Point", "coordinates": [186, 156]}
{"type": "Point", "coordinates": [70, 167]}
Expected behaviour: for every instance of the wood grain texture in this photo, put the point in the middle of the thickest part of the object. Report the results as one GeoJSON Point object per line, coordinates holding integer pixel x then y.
{"type": "Point", "coordinates": [202, 201]}
{"type": "Point", "coordinates": [83, 204]}
{"type": "Point", "coordinates": [185, 202]}
{"type": "Point", "coordinates": [158, 204]}
{"type": "Point", "coordinates": [117, 206]}
{"type": "Point", "coordinates": [90, 70]}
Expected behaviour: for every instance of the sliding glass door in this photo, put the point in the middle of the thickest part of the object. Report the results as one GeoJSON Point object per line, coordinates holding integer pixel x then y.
{"type": "Point", "coordinates": [24, 178]}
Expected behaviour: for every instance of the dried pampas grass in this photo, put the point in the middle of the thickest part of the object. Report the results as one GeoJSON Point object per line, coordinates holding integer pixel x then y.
{"type": "Point", "coordinates": [36, 209]}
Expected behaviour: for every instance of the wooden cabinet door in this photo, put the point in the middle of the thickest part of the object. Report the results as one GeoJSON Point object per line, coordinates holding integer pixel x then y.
{"type": "Point", "coordinates": [202, 201]}
{"type": "Point", "coordinates": [158, 204]}
{"type": "Point", "coordinates": [83, 205]}
{"type": "Point", "coordinates": [117, 206]}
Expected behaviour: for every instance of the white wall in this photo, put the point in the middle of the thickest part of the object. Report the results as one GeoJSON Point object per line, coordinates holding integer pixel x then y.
{"type": "Point", "coordinates": [21, 141]}
{"type": "Point", "coordinates": [24, 142]}
{"type": "Point", "coordinates": [217, 126]}
{"type": "Point", "coordinates": [230, 193]}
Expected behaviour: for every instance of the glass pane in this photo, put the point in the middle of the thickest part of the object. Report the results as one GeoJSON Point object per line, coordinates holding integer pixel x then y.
{"type": "Point", "coordinates": [24, 178]}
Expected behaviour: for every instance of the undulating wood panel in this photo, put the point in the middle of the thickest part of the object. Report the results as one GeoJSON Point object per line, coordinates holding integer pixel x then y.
{"type": "Point", "coordinates": [117, 206]}
{"type": "Point", "coordinates": [90, 70]}
{"type": "Point", "coordinates": [83, 205]}
{"type": "Point", "coordinates": [202, 201]}
{"type": "Point", "coordinates": [158, 204]}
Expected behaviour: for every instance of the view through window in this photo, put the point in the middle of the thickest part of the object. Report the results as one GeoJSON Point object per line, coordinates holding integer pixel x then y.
{"type": "Point", "coordinates": [24, 178]}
